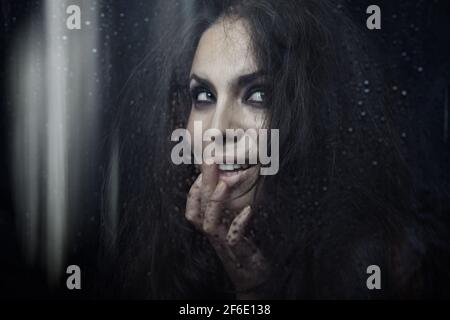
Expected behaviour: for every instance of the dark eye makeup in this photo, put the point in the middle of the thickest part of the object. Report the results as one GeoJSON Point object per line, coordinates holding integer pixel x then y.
{"type": "Point", "coordinates": [202, 96]}
{"type": "Point", "coordinates": [255, 96]}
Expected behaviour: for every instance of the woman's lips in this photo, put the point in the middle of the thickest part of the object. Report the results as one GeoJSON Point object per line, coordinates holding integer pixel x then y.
{"type": "Point", "coordinates": [234, 174]}
{"type": "Point", "coordinates": [230, 169]}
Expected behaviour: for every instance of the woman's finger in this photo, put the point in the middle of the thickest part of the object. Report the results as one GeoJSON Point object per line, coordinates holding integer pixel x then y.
{"type": "Point", "coordinates": [209, 183]}
{"type": "Point", "coordinates": [238, 227]}
{"type": "Point", "coordinates": [244, 250]}
{"type": "Point", "coordinates": [193, 213]}
{"type": "Point", "coordinates": [212, 224]}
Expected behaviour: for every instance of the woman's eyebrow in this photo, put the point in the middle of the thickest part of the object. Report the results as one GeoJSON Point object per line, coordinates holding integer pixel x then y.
{"type": "Point", "coordinates": [239, 82]}
{"type": "Point", "coordinates": [202, 81]}
{"type": "Point", "coordinates": [247, 79]}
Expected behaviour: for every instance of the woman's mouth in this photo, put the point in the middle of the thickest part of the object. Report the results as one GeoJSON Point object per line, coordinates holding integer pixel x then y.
{"type": "Point", "coordinates": [232, 169]}
{"type": "Point", "coordinates": [235, 174]}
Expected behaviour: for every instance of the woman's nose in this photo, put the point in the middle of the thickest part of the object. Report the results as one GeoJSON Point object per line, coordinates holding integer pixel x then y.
{"type": "Point", "coordinates": [226, 117]}
{"type": "Point", "coordinates": [223, 118]}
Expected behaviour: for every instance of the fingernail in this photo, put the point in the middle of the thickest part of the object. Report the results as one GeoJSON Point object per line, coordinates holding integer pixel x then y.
{"type": "Point", "coordinates": [246, 214]}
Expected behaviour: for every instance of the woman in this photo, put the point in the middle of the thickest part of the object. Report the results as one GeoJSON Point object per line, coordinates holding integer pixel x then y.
{"type": "Point", "coordinates": [343, 199]}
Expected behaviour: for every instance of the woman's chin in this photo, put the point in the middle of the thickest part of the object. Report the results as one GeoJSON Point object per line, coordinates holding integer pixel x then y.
{"type": "Point", "coordinates": [239, 201]}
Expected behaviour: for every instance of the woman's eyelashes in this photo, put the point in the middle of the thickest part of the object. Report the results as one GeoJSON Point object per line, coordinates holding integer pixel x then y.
{"type": "Point", "coordinates": [255, 96]}
{"type": "Point", "coordinates": [202, 96]}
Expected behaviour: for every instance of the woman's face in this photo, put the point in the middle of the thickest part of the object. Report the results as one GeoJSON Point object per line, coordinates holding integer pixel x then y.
{"type": "Point", "coordinates": [227, 91]}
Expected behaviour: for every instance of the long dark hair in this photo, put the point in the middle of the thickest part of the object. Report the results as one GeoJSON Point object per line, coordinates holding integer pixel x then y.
{"type": "Point", "coordinates": [345, 196]}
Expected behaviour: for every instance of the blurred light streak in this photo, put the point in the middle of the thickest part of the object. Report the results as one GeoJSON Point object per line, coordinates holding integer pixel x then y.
{"type": "Point", "coordinates": [56, 106]}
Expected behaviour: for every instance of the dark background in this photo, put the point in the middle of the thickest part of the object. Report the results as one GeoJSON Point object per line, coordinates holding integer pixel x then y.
{"type": "Point", "coordinates": [414, 57]}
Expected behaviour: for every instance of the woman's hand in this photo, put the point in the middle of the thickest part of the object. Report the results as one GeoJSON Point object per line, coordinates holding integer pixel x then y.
{"type": "Point", "coordinates": [243, 262]}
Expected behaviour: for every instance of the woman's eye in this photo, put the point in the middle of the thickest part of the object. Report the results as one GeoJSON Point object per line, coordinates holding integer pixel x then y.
{"type": "Point", "coordinates": [256, 97]}
{"type": "Point", "coordinates": [203, 96]}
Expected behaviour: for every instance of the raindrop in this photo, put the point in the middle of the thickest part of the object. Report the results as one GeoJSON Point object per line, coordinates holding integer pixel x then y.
{"type": "Point", "coordinates": [395, 88]}
{"type": "Point", "coordinates": [404, 93]}
{"type": "Point", "coordinates": [374, 163]}
{"type": "Point", "coordinates": [363, 114]}
{"type": "Point", "coordinates": [350, 129]}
